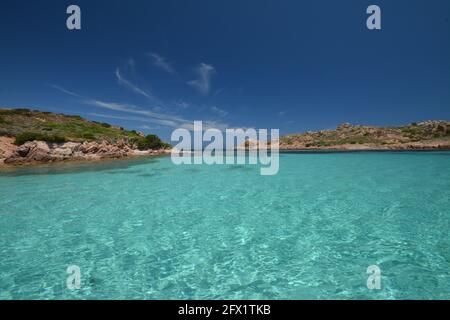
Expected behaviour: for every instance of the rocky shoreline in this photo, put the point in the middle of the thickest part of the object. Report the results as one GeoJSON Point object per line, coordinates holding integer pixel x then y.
{"type": "Point", "coordinates": [427, 135]}
{"type": "Point", "coordinates": [38, 152]}
{"type": "Point", "coordinates": [435, 145]}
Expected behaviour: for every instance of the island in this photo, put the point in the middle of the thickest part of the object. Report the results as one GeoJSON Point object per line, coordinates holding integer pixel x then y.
{"type": "Point", "coordinates": [427, 135]}
{"type": "Point", "coordinates": [32, 136]}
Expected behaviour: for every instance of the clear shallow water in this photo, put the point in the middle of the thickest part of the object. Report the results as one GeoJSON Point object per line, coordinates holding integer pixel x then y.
{"type": "Point", "coordinates": [150, 229]}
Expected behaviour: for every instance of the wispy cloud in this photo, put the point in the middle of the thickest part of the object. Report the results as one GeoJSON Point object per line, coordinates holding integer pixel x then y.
{"type": "Point", "coordinates": [152, 116]}
{"type": "Point", "coordinates": [181, 104]}
{"type": "Point", "coordinates": [144, 119]}
{"type": "Point", "coordinates": [61, 89]}
{"type": "Point", "coordinates": [219, 111]}
{"type": "Point", "coordinates": [203, 83]}
{"type": "Point", "coordinates": [146, 127]}
{"type": "Point", "coordinates": [219, 91]}
{"type": "Point", "coordinates": [144, 115]}
{"type": "Point", "coordinates": [131, 86]}
{"type": "Point", "coordinates": [133, 112]}
{"type": "Point", "coordinates": [207, 125]}
{"type": "Point", "coordinates": [161, 63]}
{"type": "Point", "coordinates": [113, 106]}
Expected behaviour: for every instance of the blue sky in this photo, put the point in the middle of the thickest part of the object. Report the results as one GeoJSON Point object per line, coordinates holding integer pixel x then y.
{"type": "Point", "coordinates": [293, 65]}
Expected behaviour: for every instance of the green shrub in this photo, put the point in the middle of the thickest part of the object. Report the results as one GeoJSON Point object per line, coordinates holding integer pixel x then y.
{"type": "Point", "coordinates": [151, 142]}
{"type": "Point", "coordinates": [322, 143]}
{"type": "Point", "coordinates": [20, 111]}
{"type": "Point", "coordinates": [55, 138]}
{"type": "Point", "coordinates": [105, 125]}
{"type": "Point", "coordinates": [15, 111]}
{"type": "Point", "coordinates": [23, 137]}
{"type": "Point", "coordinates": [76, 117]}
{"type": "Point", "coordinates": [88, 136]}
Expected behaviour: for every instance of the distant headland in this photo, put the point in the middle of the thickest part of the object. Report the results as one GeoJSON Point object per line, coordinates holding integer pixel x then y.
{"type": "Point", "coordinates": [427, 135]}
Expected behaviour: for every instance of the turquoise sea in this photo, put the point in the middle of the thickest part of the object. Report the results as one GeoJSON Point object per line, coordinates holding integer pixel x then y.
{"type": "Point", "coordinates": [148, 229]}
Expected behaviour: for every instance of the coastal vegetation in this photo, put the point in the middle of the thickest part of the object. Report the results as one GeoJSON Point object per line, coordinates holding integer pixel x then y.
{"type": "Point", "coordinates": [346, 136]}
{"type": "Point", "coordinates": [151, 142]}
{"type": "Point", "coordinates": [32, 125]}
{"type": "Point", "coordinates": [23, 137]}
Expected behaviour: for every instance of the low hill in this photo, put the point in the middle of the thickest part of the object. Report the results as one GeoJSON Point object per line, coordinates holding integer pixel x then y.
{"type": "Point", "coordinates": [31, 136]}
{"type": "Point", "coordinates": [423, 135]}
{"type": "Point", "coordinates": [28, 125]}
{"type": "Point", "coordinates": [14, 122]}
